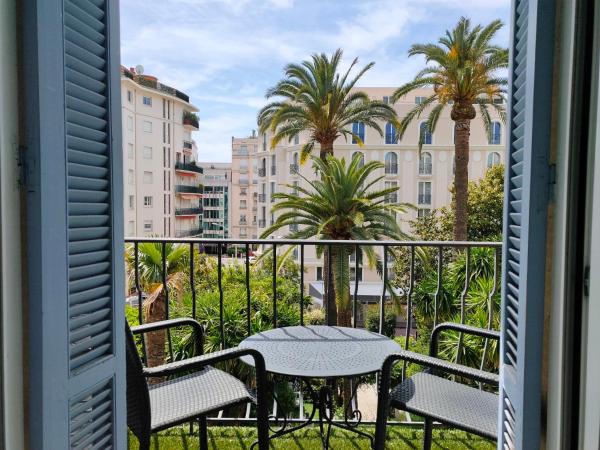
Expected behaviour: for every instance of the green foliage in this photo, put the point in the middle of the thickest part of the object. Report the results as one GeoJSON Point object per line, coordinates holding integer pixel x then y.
{"type": "Point", "coordinates": [372, 320]}
{"type": "Point", "coordinates": [320, 100]}
{"type": "Point", "coordinates": [344, 203]}
{"type": "Point", "coordinates": [485, 207]}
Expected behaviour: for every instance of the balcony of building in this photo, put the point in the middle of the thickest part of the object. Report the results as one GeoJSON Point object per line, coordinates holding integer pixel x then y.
{"type": "Point", "coordinates": [188, 189]}
{"type": "Point", "coordinates": [262, 172]}
{"type": "Point", "coordinates": [190, 167]}
{"type": "Point", "coordinates": [192, 211]}
{"type": "Point", "coordinates": [395, 313]}
{"type": "Point", "coordinates": [190, 121]}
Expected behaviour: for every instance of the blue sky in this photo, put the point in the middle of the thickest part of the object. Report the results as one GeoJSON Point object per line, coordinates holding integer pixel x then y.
{"type": "Point", "coordinates": [226, 53]}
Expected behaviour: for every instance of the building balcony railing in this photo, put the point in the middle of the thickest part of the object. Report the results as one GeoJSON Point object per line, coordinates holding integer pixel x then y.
{"type": "Point", "coordinates": [189, 211]}
{"type": "Point", "coordinates": [424, 296]}
{"type": "Point", "coordinates": [262, 223]}
{"type": "Point", "coordinates": [243, 222]}
{"type": "Point", "coordinates": [188, 167]}
{"type": "Point", "coordinates": [188, 233]}
{"type": "Point", "coordinates": [272, 198]}
{"type": "Point", "coordinates": [262, 172]}
{"type": "Point", "coordinates": [262, 198]}
{"type": "Point", "coordinates": [188, 145]}
{"type": "Point", "coordinates": [190, 120]}
{"type": "Point", "coordinates": [185, 189]}
{"type": "Point", "coordinates": [424, 199]}
{"type": "Point", "coordinates": [294, 168]}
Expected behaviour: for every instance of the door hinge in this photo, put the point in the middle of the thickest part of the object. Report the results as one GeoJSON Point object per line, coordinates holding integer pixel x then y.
{"type": "Point", "coordinates": [22, 164]}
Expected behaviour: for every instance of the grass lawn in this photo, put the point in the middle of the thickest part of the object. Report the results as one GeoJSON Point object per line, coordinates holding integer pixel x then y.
{"type": "Point", "coordinates": [238, 438]}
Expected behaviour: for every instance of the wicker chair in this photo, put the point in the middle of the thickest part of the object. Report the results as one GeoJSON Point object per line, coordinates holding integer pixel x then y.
{"type": "Point", "coordinates": [439, 399]}
{"type": "Point", "coordinates": [201, 390]}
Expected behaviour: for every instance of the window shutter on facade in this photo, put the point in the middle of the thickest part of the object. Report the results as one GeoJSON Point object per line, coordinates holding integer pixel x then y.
{"type": "Point", "coordinates": [526, 202]}
{"type": "Point", "coordinates": [74, 224]}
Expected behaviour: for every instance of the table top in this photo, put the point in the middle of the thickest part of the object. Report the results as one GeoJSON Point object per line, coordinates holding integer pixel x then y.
{"type": "Point", "coordinates": [321, 351]}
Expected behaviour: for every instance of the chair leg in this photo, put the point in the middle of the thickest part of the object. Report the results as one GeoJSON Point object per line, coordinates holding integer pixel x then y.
{"type": "Point", "coordinates": [203, 433]}
{"type": "Point", "coordinates": [144, 442]}
{"type": "Point", "coordinates": [427, 434]}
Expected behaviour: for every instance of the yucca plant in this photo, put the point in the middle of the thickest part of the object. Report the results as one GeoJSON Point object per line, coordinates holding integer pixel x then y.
{"type": "Point", "coordinates": [344, 203]}
{"type": "Point", "coordinates": [465, 71]}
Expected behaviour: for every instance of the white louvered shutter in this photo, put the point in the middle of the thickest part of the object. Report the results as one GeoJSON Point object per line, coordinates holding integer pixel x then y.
{"type": "Point", "coordinates": [75, 221]}
{"type": "Point", "coordinates": [526, 202]}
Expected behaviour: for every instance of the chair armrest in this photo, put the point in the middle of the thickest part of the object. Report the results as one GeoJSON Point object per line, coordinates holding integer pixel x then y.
{"type": "Point", "coordinates": [467, 329]}
{"type": "Point", "coordinates": [438, 364]}
{"type": "Point", "coordinates": [172, 323]}
{"type": "Point", "coordinates": [198, 362]}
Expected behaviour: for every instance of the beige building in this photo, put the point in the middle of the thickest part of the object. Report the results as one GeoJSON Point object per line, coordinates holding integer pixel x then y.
{"type": "Point", "coordinates": [244, 197]}
{"type": "Point", "coordinates": [216, 186]}
{"type": "Point", "coordinates": [162, 193]}
{"type": "Point", "coordinates": [423, 181]}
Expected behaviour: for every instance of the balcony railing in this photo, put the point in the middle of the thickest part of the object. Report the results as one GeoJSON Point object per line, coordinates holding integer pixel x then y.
{"type": "Point", "coordinates": [188, 167]}
{"type": "Point", "coordinates": [294, 169]}
{"type": "Point", "coordinates": [189, 211]}
{"type": "Point", "coordinates": [185, 189]}
{"type": "Point", "coordinates": [187, 144]}
{"type": "Point", "coordinates": [262, 198]}
{"type": "Point", "coordinates": [190, 119]}
{"type": "Point", "coordinates": [188, 233]}
{"type": "Point", "coordinates": [429, 289]}
{"type": "Point", "coordinates": [262, 172]}
{"type": "Point", "coordinates": [262, 223]}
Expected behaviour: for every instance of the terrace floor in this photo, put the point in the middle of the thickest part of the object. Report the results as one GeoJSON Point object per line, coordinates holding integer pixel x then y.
{"type": "Point", "coordinates": [241, 438]}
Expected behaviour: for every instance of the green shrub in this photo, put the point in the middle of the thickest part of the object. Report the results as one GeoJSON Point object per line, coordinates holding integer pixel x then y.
{"type": "Point", "coordinates": [372, 320]}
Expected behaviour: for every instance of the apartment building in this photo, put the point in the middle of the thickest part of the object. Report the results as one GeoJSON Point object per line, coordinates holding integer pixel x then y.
{"type": "Point", "coordinates": [162, 192]}
{"type": "Point", "coordinates": [244, 198]}
{"type": "Point", "coordinates": [216, 186]}
{"type": "Point", "coordinates": [423, 180]}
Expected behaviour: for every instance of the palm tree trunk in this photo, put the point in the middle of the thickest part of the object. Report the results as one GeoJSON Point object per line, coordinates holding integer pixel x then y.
{"type": "Point", "coordinates": [462, 131]}
{"type": "Point", "coordinates": [328, 282]}
{"type": "Point", "coordinates": [155, 341]}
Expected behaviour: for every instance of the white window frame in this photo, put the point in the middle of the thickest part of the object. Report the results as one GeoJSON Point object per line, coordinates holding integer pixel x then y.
{"type": "Point", "coordinates": [148, 175]}
{"type": "Point", "coordinates": [147, 152]}
{"type": "Point", "coordinates": [147, 100]}
{"type": "Point", "coordinates": [147, 126]}
{"type": "Point", "coordinates": [148, 201]}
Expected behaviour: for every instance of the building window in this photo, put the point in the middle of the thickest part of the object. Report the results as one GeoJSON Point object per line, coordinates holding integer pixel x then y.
{"type": "Point", "coordinates": [129, 96]}
{"type": "Point", "coordinates": [242, 204]}
{"type": "Point", "coordinates": [424, 212]}
{"type": "Point", "coordinates": [392, 197]}
{"type": "Point", "coordinates": [319, 274]}
{"type": "Point", "coordinates": [390, 133]}
{"type": "Point", "coordinates": [243, 150]}
{"type": "Point", "coordinates": [243, 191]}
{"type": "Point", "coordinates": [386, 99]}
{"type": "Point", "coordinates": [272, 189]}
{"type": "Point", "coordinates": [147, 226]}
{"type": "Point", "coordinates": [495, 133]}
{"type": "Point", "coordinates": [147, 177]}
{"type": "Point", "coordinates": [419, 100]}
{"type": "Point", "coordinates": [425, 164]}
{"type": "Point", "coordinates": [147, 126]}
{"type": "Point", "coordinates": [362, 158]}
{"type": "Point", "coordinates": [148, 152]}
{"type": "Point", "coordinates": [130, 123]}
{"type": "Point", "coordinates": [391, 163]}
{"type": "Point", "coordinates": [424, 133]}
{"type": "Point", "coordinates": [147, 101]}
{"type": "Point", "coordinates": [130, 151]}
{"type": "Point", "coordinates": [358, 132]}
{"type": "Point", "coordinates": [131, 176]}
{"type": "Point", "coordinates": [296, 139]}
{"type": "Point", "coordinates": [353, 272]}
{"type": "Point", "coordinates": [273, 165]}
{"type": "Point", "coordinates": [131, 228]}
{"type": "Point", "coordinates": [424, 193]}
{"type": "Point", "coordinates": [131, 202]}
{"type": "Point", "coordinates": [493, 159]}
{"type": "Point", "coordinates": [148, 200]}
{"type": "Point", "coordinates": [264, 142]}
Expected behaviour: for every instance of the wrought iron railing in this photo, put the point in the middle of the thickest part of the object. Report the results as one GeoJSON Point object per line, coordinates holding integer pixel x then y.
{"type": "Point", "coordinates": [262, 198]}
{"type": "Point", "coordinates": [294, 169]}
{"type": "Point", "coordinates": [185, 189]}
{"type": "Point", "coordinates": [188, 211]}
{"type": "Point", "coordinates": [188, 167]}
{"type": "Point", "coordinates": [440, 254]}
{"type": "Point", "coordinates": [262, 223]}
{"type": "Point", "coordinates": [262, 172]}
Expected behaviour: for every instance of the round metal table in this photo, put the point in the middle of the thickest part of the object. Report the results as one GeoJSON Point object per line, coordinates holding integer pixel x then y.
{"type": "Point", "coordinates": [321, 352]}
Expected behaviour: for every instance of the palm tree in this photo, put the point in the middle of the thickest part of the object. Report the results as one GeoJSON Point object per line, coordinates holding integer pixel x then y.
{"type": "Point", "coordinates": [318, 99]}
{"type": "Point", "coordinates": [343, 204]}
{"type": "Point", "coordinates": [150, 267]}
{"type": "Point", "coordinates": [464, 74]}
